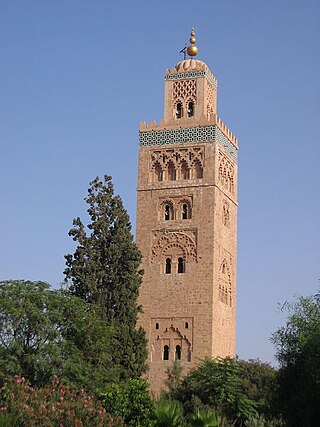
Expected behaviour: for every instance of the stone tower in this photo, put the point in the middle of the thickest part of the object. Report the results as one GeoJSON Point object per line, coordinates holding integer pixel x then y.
{"type": "Point", "coordinates": [187, 225]}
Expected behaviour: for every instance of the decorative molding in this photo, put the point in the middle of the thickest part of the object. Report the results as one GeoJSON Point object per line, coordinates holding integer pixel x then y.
{"type": "Point", "coordinates": [193, 75]}
{"type": "Point", "coordinates": [188, 135]}
{"type": "Point", "coordinates": [165, 241]}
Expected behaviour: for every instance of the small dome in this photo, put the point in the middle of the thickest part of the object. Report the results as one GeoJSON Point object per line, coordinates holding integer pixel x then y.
{"type": "Point", "coordinates": [189, 65]}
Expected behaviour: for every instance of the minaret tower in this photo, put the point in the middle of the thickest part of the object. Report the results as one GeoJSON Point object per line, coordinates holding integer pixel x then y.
{"type": "Point", "coordinates": [187, 224]}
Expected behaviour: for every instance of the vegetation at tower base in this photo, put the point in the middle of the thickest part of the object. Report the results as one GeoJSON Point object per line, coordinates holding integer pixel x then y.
{"type": "Point", "coordinates": [104, 271]}
{"type": "Point", "coordinates": [298, 352]}
{"type": "Point", "coordinates": [216, 384]}
{"type": "Point", "coordinates": [131, 401]}
{"type": "Point", "coordinates": [46, 333]}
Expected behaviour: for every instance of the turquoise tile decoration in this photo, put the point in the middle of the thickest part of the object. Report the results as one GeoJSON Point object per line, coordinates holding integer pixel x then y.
{"type": "Point", "coordinates": [188, 135]}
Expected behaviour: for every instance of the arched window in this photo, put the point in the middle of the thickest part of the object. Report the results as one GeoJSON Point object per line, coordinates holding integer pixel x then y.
{"type": "Point", "coordinates": [186, 325]}
{"type": "Point", "coordinates": [190, 109]}
{"type": "Point", "coordinates": [168, 266]}
{"type": "Point", "coordinates": [198, 170]}
{"type": "Point", "coordinates": [185, 172]}
{"type": "Point", "coordinates": [158, 172]}
{"type": "Point", "coordinates": [168, 212]}
{"type": "Point", "coordinates": [177, 355]}
{"type": "Point", "coordinates": [157, 325]}
{"type": "Point", "coordinates": [171, 172]}
{"type": "Point", "coordinates": [185, 212]}
{"type": "Point", "coordinates": [181, 265]}
{"type": "Point", "coordinates": [179, 110]}
{"type": "Point", "coordinates": [166, 352]}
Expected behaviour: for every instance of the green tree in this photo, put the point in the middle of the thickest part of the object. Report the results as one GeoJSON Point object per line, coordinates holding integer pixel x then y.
{"type": "Point", "coordinates": [104, 270]}
{"type": "Point", "coordinates": [131, 401]}
{"type": "Point", "coordinates": [298, 352]}
{"type": "Point", "coordinates": [216, 384]}
{"type": "Point", "coordinates": [259, 382]}
{"type": "Point", "coordinates": [46, 333]}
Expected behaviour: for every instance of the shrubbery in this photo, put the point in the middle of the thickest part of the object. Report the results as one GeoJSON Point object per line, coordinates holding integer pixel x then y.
{"type": "Point", "coordinates": [51, 406]}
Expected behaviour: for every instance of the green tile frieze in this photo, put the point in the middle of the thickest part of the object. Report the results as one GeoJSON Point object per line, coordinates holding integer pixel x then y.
{"type": "Point", "coordinates": [188, 135]}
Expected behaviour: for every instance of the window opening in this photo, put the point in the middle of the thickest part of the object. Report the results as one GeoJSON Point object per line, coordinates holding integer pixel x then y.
{"type": "Point", "coordinates": [178, 353]}
{"type": "Point", "coordinates": [181, 266]}
{"type": "Point", "coordinates": [179, 110]}
{"type": "Point", "coordinates": [167, 212]}
{"type": "Point", "coordinates": [199, 170]}
{"type": "Point", "coordinates": [157, 325]}
{"type": "Point", "coordinates": [186, 325]}
{"type": "Point", "coordinates": [166, 352]}
{"type": "Point", "coordinates": [171, 172]}
{"type": "Point", "coordinates": [185, 174]}
{"type": "Point", "coordinates": [158, 173]}
{"type": "Point", "coordinates": [190, 109]}
{"type": "Point", "coordinates": [168, 266]}
{"type": "Point", "coordinates": [189, 356]}
{"type": "Point", "coordinates": [185, 211]}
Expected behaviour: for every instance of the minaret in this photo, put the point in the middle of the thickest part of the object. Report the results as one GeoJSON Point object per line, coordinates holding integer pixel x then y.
{"type": "Point", "coordinates": [187, 224]}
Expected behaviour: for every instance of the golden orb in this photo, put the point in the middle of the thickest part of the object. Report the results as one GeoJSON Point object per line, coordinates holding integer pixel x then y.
{"type": "Point", "coordinates": [192, 50]}
{"type": "Point", "coordinates": [192, 40]}
{"type": "Point", "coordinates": [192, 33]}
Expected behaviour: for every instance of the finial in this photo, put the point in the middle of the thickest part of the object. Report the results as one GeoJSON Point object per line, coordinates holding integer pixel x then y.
{"type": "Point", "coordinates": [192, 50]}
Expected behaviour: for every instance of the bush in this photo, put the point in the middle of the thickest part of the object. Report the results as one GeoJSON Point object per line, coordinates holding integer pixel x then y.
{"type": "Point", "coordinates": [55, 406]}
{"type": "Point", "coordinates": [131, 401]}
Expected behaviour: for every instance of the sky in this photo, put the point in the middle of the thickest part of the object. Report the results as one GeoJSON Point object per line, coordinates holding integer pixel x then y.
{"type": "Point", "coordinates": [78, 76]}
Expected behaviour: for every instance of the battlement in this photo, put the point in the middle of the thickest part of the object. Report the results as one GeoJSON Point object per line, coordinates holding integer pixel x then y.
{"type": "Point", "coordinates": [204, 122]}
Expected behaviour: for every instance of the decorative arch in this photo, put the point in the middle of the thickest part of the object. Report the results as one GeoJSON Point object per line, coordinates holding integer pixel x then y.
{"type": "Point", "coordinates": [177, 242]}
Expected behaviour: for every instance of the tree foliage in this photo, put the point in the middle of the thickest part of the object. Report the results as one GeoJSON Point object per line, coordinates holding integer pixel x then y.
{"type": "Point", "coordinates": [104, 270]}
{"type": "Point", "coordinates": [46, 333]}
{"type": "Point", "coordinates": [259, 382]}
{"type": "Point", "coordinates": [216, 384]}
{"type": "Point", "coordinates": [298, 352]}
{"type": "Point", "coordinates": [131, 401]}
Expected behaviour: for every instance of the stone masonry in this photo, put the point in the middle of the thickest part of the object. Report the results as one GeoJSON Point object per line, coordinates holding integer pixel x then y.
{"type": "Point", "coordinates": [187, 225]}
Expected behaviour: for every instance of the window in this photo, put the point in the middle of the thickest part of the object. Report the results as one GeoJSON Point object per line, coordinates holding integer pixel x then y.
{"type": "Point", "coordinates": [189, 356]}
{"type": "Point", "coordinates": [198, 170]}
{"type": "Point", "coordinates": [166, 352]}
{"type": "Point", "coordinates": [168, 266]}
{"type": "Point", "coordinates": [185, 211]}
{"type": "Point", "coordinates": [179, 110]}
{"type": "Point", "coordinates": [157, 325]}
{"type": "Point", "coordinates": [186, 325]}
{"type": "Point", "coordinates": [158, 173]}
{"type": "Point", "coordinates": [177, 355]}
{"type": "Point", "coordinates": [171, 172]}
{"type": "Point", "coordinates": [181, 265]}
{"type": "Point", "coordinates": [190, 109]}
{"type": "Point", "coordinates": [185, 173]}
{"type": "Point", "coordinates": [168, 212]}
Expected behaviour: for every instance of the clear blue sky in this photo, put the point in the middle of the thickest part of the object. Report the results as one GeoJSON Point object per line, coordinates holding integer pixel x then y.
{"type": "Point", "coordinates": [76, 78]}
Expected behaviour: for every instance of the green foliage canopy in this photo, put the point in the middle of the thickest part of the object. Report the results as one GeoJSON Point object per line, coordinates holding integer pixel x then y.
{"type": "Point", "coordinates": [46, 333]}
{"type": "Point", "coordinates": [131, 401]}
{"type": "Point", "coordinates": [216, 384]}
{"type": "Point", "coordinates": [298, 352]}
